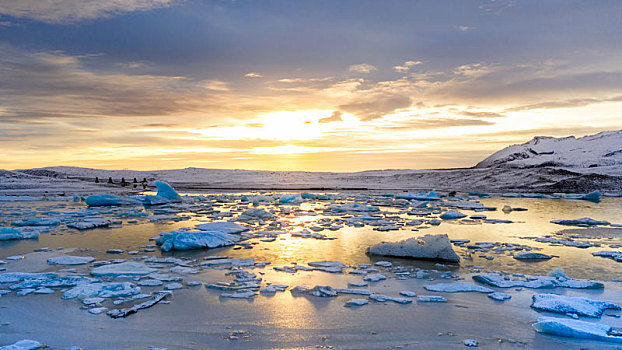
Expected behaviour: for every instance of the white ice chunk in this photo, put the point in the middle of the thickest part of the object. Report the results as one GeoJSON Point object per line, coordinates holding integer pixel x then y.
{"type": "Point", "coordinates": [70, 260]}
{"type": "Point", "coordinates": [576, 305]}
{"type": "Point", "coordinates": [564, 327]}
{"type": "Point", "coordinates": [426, 247]}
{"type": "Point", "coordinates": [126, 268]}
{"type": "Point", "coordinates": [457, 288]}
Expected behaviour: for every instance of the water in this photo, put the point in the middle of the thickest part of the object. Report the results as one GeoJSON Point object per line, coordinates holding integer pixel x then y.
{"type": "Point", "coordinates": [351, 243]}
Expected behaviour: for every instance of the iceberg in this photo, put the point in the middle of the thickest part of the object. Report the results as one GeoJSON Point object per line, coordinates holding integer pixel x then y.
{"type": "Point", "coordinates": [452, 214]}
{"type": "Point", "coordinates": [592, 196]}
{"type": "Point", "coordinates": [166, 194]}
{"type": "Point", "coordinates": [102, 290]}
{"type": "Point", "coordinates": [70, 260]}
{"type": "Point", "coordinates": [256, 214]}
{"type": "Point", "coordinates": [89, 223]}
{"type": "Point", "coordinates": [564, 327]}
{"type": "Point", "coordinates": [384, 298]}
{"type": "Point", "coordinates": [420, 196]}
{"type": "Point", "coordinates": [576, 305]}
{"type": "Point", "coordinates": [104, 200]}
{"type": "Point", "coordinates": [186, 240]}
{"type": "Point", "coordinates": [126, 268]}
{"type": "Point", "coordinates": [427, 247]}
{"type": "Point", "coordinates": [9, 233]}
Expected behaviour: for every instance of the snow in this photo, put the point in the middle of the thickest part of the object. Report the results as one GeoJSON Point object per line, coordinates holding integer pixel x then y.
{"type": "Point", "coordinates": [426, 247]}
{"type": "Point", "coordinates": [186, 240]}
{"type": "Point", "coordinates": [126, 268]}
{"type": "Point", "coordinates": [70, 260]}
{"type": "Point", "coordinates": [564, 327]}
{"type": "Point", "coordinates": [102, 290]}
{"type": "Point", "coordinates": [460, 287]}
{"type": "Point", "coordinates": [599, 153]}
{"type": "Point", "coordinates": [575, 305]}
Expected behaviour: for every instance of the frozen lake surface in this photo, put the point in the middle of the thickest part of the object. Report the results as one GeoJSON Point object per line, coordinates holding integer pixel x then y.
{"type": "Point", "coordinates": [286, 232]}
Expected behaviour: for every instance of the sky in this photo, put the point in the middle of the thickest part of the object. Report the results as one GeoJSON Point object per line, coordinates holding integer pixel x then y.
{"type": "Point", "coordinates": [313, 85]}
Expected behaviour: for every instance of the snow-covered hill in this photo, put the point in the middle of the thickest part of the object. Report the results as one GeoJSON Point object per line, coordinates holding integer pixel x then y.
{"type": "Point", "coordinates": [600, 153]}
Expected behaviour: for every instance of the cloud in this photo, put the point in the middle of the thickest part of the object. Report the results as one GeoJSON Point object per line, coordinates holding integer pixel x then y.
{"type": "Point", "coordinates": [335, 117]}
{"type": "Point", "coordinates": [216, 85]}
{"type": "Point", "coordinates": [71, 11]}
{"type": "Point", "coordinates": [465, 28]}
{"type": "Point", "coordinates": [482, 114]}
{"type": "Point", "coordinates": [376, 106]}
{"type": "Point", "coordinates": [253, 75]}
{"type": "Point", "coordinates": [436, 123]}
{"type": "Point", "coordinates": [362, 68]}
{"type": "Point", "coordinates": [406, 66]}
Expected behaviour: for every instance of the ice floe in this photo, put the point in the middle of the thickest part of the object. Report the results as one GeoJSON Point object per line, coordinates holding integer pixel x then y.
{"type": "Point", "coordinates": [10, 233]}
{"type": "Point", "coordinates": [554, 280]}
{"type": "Point", "coordinates": [185, 240]}
{"type": "Point", "coordinates": [564, 327]}
{"type": "Point", "coordinates": [571, 305]}
{"type": "Point", "coordinates": [459, 287]}
{"type": "Point", "coordinates": [126, 268]}
{"type": "Point", "coordinates": [426, 247]}
{"type": "Point", "coordinates": [25, 344]}
{"type": "Point", "coordinates": [103, 290]}
{"type": "Point", "coordinates": [70, 260]}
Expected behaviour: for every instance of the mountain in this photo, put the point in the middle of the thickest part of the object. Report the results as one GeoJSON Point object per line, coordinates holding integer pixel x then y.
{"type": "Point", "coordinates": [599, 153]}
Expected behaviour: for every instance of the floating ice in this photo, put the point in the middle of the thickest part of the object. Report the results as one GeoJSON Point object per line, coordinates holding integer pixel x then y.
{"type": "Point", "coordinates": [103, 290]}
{"type": "Point", "coordinates": [126, 268]}
{"type": "Point", "coordinates": [408, 293]}
{"type": "Point", "coordinates": [322, 291]}
{"type": "Point", "coordinates": [118, 313]}
{"type": "Point", "coordinates": [431, 299]}
{"type": "Point", "coordinates": [256, 214]}
{"type": "Point", "coordinates": [104, 200]}
{"type": "Point", "coordinates": [383, 298]}
{"type": "Point", "coordinates": [273, 288]}
{"type": "Point", "coordinates": [581, 222]}
{"type": "Point", "coordinates": [173, 286]}
{"type": "Point", "coordinates": [9, 233]}
{"type": "Point", "coordinates": [426, 247]}
{"type": "Point", "coordinates": [592, 196]}
{"type": "Point", "coordinates": [617, 256]}
{"type": "Point", "coordinates": [535, 282]}
{"type": "Point", "coordinates": [222, 227]}
{"type": "Point", "coordinates": [452, 214]}
{"type": "Point", "coordinates": [422, 196]}
{"type": "Point", "coordinates": [471, 343]}
{"type": "Point", "coordinates": [499, 296]}
{"type": "Point", "coordinates": [97, 310]}
{"type": "Point", "coordinates": [354, 291]}
{"type": "Point", "coordinates": [456, 288]}
{"type": "Point", "coordinates": [70, 260]}
{"type": "Point", "coordinates": [25, 344]}
{"type": "Point", "coordinates": [576, 329]}
{"type": "Point", "coordinates": [150, 283]}
{"type": "Point", "coordinates": [68, 281]}
{"type": "Point", "coordinates": [375, 277]}
{"type": "Point", "coordinates": [13, 277]}
{"type": "Point", "coordinates": [89, 223]}
{"type": "Point", "coordinates": [290, 198]}
{"type": "Point", "coordinates": [576, 305]}
{"type": "Point", "coordinates": [356, 302]}
{"type": "Point", "coordinates": [166, 194]}
{"type": "Point", "coordinates": [240, 295]}
{"type": "Point", "coordinates": [186, 240]}
{"type": "Point", "coordinates": [532, 256]}
{"type": "Point", "coordinates": [352, 207]}
{"type": "Point", "coordinates": [36, 222]}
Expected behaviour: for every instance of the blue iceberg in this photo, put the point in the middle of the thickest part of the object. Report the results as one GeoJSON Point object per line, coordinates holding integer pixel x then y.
{"type": "Point", "coordinates": [104, 200]}
{"type": "Point", "coordinates": [564, 327]}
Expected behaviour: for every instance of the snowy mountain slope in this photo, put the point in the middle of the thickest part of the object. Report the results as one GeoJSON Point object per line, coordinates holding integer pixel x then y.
{"type": "Point", "coordinates": [600, 153]}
